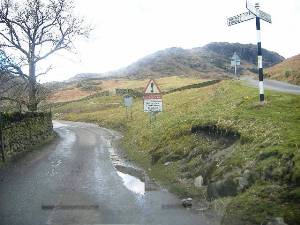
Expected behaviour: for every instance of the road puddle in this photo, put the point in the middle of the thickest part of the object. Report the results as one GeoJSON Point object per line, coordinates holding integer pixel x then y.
{"type": "Point", "coordinates": [132, 183]}
{"type": "Point", "coordinates": [57, 124]}
{"type": "Point", "coordinates": [134, 179]}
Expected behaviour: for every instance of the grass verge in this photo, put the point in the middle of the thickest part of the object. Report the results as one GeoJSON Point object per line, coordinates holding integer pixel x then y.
{"type": "Point", "coordinates": [241, 146]}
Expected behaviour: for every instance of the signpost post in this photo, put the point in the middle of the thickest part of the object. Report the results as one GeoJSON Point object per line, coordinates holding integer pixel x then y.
{"type": "Point", "coordinates": [254, 12]}
{"type": "Point", "coordinates": [152, 99]}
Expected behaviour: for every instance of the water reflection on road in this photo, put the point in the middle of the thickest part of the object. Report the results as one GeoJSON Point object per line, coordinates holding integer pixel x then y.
{"type": "Point", "coordinates": [132, 183]}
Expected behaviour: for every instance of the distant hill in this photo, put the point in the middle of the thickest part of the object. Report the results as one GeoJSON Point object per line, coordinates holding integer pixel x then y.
{"type": "Point", "coordinates": [288, 70]}
{"type": "Point", "coordinates": [212, 60]}
{"type": "Point", "coordinates": [247, 52]}
{"type": "Point", "coordinates": [82, 76]}
{"type": "Point", "coordinates": [175, 61]}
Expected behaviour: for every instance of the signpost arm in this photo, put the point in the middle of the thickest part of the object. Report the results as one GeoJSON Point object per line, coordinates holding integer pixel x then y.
{"type": "Point", "coordinates": [259, 61]}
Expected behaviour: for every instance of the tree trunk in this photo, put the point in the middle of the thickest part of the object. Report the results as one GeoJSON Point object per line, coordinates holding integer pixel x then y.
{"type": "Point", "coordinates": [32, 88]}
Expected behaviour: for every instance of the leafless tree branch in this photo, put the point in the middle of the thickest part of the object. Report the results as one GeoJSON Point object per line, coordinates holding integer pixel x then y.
{"type": "Point", "coordinates": [36, 29]}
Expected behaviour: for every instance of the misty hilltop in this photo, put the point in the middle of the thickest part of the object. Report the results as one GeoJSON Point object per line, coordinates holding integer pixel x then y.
{"type": "Point", "coordinates": [210, 60]}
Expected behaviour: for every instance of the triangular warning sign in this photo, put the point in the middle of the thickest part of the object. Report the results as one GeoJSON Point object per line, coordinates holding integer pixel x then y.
{"type": "Point", "coordinates": [152, 88]}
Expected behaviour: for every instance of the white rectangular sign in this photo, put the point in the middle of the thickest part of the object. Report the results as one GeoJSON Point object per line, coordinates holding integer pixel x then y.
{"type": "Point", "coordinates": [152, 104]}
{"type": "Point", "coordinates": [240, 18]}
{"type": "Point", "coordinates": [235, 62]}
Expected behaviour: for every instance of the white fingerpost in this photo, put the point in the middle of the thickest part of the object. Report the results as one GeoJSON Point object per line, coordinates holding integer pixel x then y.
{"type": "Point", "coordinates": [254, 12]}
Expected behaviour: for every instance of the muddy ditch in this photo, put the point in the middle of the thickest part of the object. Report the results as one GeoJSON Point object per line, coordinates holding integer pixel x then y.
{"type": "Point", "coordinates": [209, 163]}
{"type": "Point", "coordinates": [224, 136]}
{"type": "Point", "coordinates": [205, 160]}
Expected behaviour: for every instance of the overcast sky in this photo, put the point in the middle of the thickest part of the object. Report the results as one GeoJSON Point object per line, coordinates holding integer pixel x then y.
{"type": "Point", "coordinates": [126, 30]}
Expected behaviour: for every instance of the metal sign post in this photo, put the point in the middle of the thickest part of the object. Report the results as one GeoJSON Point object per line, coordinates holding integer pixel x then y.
{"type": "Point", "coordinates": [254, 12]}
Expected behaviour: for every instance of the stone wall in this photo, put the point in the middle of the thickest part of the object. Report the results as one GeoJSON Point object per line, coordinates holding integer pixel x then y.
{"type": "Point", "coordinates": [131, 92]}
{"type": "Point", "coordinates": [22, 134]}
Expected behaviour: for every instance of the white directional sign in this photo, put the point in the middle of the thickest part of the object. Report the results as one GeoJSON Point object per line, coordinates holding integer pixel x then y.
{"type": "Point", "coordinates": [152, 88]}
{"type": "Point", "coordinates": [265, 16]}
{"type": "Point", "coordinates": [152, 103]}
{"type": "Point", "coordinates": [259, 13]}
{"type": "Point", "coordinates": [240, 18]}
{"type": "Point", "coordinates": [235, 60]}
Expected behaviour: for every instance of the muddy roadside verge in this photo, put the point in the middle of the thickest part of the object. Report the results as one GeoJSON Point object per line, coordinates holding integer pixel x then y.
{"type": "Point", "coordinates": [122, 162]}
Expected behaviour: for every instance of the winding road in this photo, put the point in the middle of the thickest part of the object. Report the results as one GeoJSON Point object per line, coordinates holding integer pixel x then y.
{"type": "Point", "coordinates": [273, 85]}
{"type": "Point", "coordinates": [74, 180]}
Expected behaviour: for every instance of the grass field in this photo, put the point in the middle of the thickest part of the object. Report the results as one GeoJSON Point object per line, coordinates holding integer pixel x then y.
{"type": "Point", "coordinates": [220, 132]}
{"type": "Point", "coordinates": [89, 87]}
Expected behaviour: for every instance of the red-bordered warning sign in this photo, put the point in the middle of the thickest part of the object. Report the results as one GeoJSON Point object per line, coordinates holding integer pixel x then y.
{"type": "Point", "coordinates": [152, 98]}
{"type": "Point", "coordinates": [152, 88]}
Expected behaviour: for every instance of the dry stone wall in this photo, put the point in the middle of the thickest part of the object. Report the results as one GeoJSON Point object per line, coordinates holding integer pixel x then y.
{"type": "Point", "coordinates": [22, 133]}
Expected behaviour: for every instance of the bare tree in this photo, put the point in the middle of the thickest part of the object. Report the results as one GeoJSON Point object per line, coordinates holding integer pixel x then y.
{"type": "Point", "coordinates": [12, 92]}
{"type": "Point", "coordinates": [10, 85]}
{"type": "Point", "coordinates": [32, 31]}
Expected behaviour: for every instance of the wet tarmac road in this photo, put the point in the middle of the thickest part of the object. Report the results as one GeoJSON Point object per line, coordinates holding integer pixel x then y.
{"type": "Point", "coordinates": [273, 85]}
{"type": "Point", "coordinates": [74, 181]}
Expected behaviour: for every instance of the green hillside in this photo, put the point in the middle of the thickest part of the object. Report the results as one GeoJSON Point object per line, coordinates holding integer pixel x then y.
{"type": "Point", "coordinates": [247, 153]}
{"type": "Point", "coordinates": [210, 61]}
{"type": "Point", "coordinates": [288, 70]}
